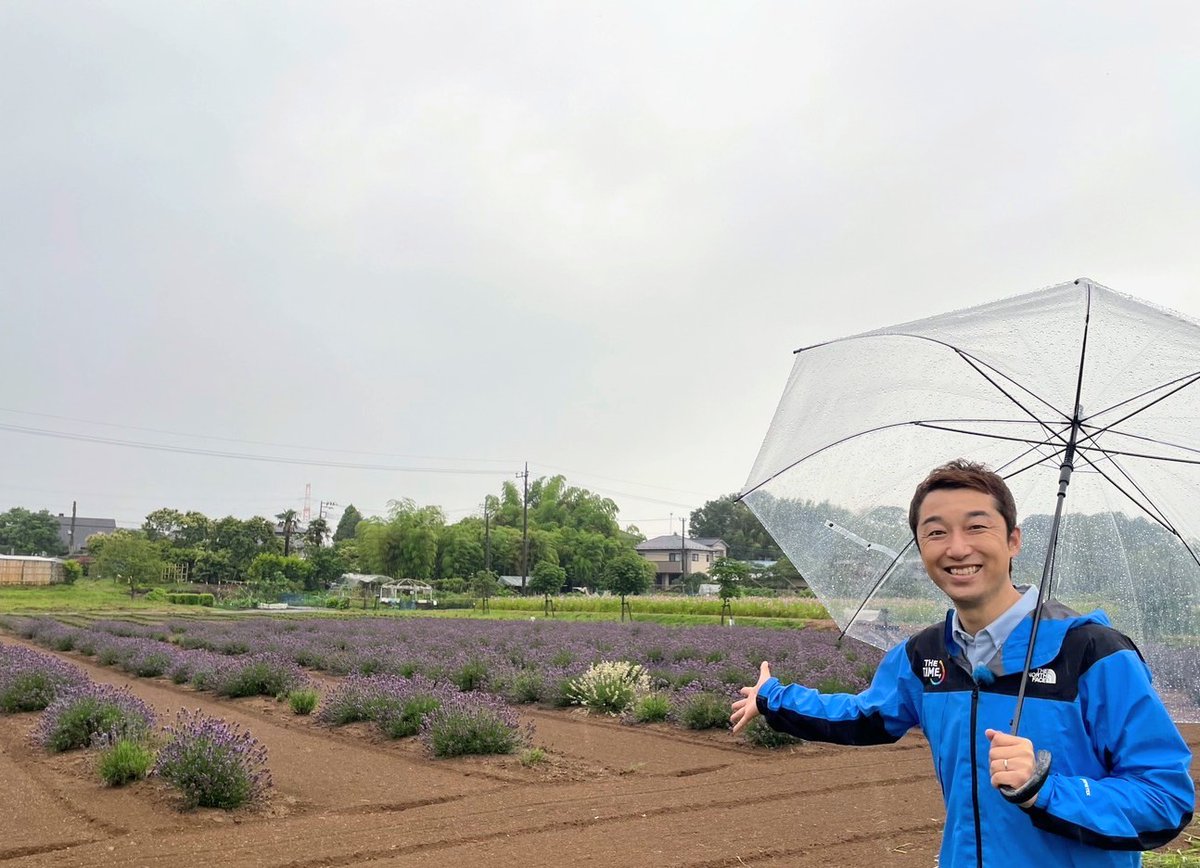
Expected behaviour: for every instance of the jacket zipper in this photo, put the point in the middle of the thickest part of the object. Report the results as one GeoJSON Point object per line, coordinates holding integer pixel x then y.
{"type": "Point", "coordinates": [975, 776]}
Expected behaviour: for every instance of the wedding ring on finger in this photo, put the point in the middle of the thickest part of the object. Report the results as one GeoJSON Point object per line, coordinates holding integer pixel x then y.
{"type": "Point", "coordinates": [1006, 765]}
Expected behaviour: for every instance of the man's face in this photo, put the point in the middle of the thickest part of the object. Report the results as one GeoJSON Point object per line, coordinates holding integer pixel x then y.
{"type": "Point", "coordinates": [965, 546]}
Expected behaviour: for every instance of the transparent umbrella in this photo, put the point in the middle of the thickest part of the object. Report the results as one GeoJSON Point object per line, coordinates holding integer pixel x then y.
{"type": "Point", "coordinates": [1085, 400]}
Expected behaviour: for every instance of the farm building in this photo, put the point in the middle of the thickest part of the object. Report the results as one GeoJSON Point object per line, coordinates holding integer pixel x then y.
{"type": "Point", "coordinates": [23, 570]}
{"type": "Point", "coordinates": [407, 594]}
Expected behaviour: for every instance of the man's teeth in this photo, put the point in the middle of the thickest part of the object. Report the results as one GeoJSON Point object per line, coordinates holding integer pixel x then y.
{"type": "Point", "coordinates": [963, 571]}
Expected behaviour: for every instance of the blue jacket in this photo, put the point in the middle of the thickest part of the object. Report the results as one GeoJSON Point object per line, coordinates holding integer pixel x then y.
{"type": "Point", "coordinates": [1119, 780]}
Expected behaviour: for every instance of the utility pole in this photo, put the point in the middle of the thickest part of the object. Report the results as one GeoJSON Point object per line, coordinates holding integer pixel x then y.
{"type": "Point", "coordinates": [71, 535]}
{"type": "Point", "coordinates": [525, 528]}
{"type": "Point", "coordinates": [487, 537]}
{"type": "Point", "coordinates": [683, 550]}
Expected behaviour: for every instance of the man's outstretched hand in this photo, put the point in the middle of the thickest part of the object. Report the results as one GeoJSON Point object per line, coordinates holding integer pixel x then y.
{"type": "Point", "coordinates": [746, 708]}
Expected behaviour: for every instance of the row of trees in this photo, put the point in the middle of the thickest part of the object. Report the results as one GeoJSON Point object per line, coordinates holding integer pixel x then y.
{"type": "Point", "coordinates": [29, 533]}
{"type": "Point", "coordinates": [572, 538]}
{"type": "Point", "coordinates": [559, 536]}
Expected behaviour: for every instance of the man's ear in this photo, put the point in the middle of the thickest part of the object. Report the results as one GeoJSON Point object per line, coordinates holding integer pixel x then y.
{"type": "Point", "coordinates": [1014, 542]}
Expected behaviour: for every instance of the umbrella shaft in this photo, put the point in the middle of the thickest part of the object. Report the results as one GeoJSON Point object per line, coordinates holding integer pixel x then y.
{"type": "Point", "coordinates": [1064, 479]}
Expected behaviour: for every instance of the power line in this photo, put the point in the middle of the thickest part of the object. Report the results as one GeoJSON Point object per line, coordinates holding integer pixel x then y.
{"type": "Point", "coordinates": [242, 456]}
{"type": "Point", "coordinates": [195, 436]}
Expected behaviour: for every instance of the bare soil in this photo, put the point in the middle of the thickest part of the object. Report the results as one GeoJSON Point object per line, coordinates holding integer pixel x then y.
{"type": "Point", "coordinates": [606, 794]}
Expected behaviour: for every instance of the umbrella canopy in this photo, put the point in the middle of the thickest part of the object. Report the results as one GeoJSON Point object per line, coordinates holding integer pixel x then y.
{"type": "Point", "coordinates": [863, 419]}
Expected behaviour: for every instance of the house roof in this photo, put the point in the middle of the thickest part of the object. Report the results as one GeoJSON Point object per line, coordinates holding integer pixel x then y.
{"type": "Point", "coordinates": [672, 542]}
{"type": "Point", "coordinates": [364, 579]}
{"type": "Point", "coordinates": [84, 528]}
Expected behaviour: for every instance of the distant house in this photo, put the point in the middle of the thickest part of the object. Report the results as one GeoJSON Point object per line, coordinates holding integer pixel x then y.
{"type": "Point", "coordinates": [84, 528]}
{"type": "Point", "coordinates": [23, 570]}
{"type": "Point", "coordinates": [674, 557]}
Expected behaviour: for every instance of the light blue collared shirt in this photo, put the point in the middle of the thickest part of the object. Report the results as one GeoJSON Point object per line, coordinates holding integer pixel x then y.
{"type": "Point", "coordinates": [982, 647]}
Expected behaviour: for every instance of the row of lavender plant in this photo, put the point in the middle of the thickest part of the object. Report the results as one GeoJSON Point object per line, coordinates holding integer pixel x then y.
{"type": "Point", "coordinates": [210, 762]}
{"type": "Point", "coordinates": [526, 661]}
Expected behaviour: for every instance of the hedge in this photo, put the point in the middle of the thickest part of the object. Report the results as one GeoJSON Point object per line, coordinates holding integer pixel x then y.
{"type": "Point", "coordinates": [191, 599]}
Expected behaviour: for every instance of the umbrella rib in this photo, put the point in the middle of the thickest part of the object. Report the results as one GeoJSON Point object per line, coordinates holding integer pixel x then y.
{"type": "Point", "coordinates": [1152, 510]}
{"type": "Point", "coordinates": [1153, 440]}
{"type": "Point", "coordinates": [1052, 457]}
{"type": "Point", "coordinates": [975, 363]}
{"type": "Point", "coordinates": [1025, 440]}
{"type": "Point", "coordinates": [804, 458]}
{"type": "Point", "coordinates": [878, 582]}
{"type": "Point", "coordinates": [1160, 518]}
{"type": "Point", "coordinates": [1195, 378]}
{"type": "Point", "coordinates": [839, 442]}
{"type": "Point", "coordinates": [1122, 452]}
{"type": "Point", "coordinates": [1192, 378]}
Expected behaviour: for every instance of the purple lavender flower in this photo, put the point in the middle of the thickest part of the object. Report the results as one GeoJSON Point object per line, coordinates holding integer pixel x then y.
{"type": "Point", "coordinates": [214, 764]}
{"type": "Point", "coordinates": [29, 680]}
{"type": "Point", "coordinates": [84, 710]}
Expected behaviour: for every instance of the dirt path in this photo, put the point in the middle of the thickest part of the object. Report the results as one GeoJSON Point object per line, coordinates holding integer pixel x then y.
{"type": "Point", "coordinates": [607, 795]}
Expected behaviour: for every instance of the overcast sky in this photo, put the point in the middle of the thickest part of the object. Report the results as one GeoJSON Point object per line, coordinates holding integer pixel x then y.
{"type": "Point", "coordinates": [461, 236]}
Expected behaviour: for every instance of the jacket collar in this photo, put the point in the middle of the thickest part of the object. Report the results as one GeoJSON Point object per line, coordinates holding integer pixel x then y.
{"type": "Point", "coordinates": [1057, 619]}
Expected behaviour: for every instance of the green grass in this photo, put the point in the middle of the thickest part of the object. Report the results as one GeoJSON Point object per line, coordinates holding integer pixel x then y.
{"type": "Point", "coordinates": [100, 598]}
{"type": "Point", "coordinates": [757, 607]}
{"type": "Point", "coordinates": [86, 594]}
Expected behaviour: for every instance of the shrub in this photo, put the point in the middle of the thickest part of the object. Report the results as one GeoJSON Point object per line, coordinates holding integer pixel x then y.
{"type": "Point", "coordinates": [123, 760]}
{"type": "Point", "coordinates": [303, 701]}
{"type": "Point", "coordinates": [472, 723]}
{"type": "Point", "coordinates": [406, 719]}
{"type": "Point", "coordinates": [109, 654]}
{"type": "Point", "coordinates": [397, 705]}
{"type": "Point", "coordinates": [652, 708]}
{"type": "Point", "coordinates": [527, 686]}
{"type": "Point", "coordinates": [72, 572]}
{"type": "Point", "coordinates": [610, 686]}
{"type": "Point", "coordinates": [705, 711]}
{"type": "Point", "coordinates": [258, 675]}
{"type": "Point", "coordinates": [532, 756]}
{"type": "Point", "coordinates": [472, 676]}
{"type": "Point", "coordinates": [85, 711]}
{"type": "Point", "coordinates": [30, 681]}
{"type": "Point", "coordinates": [156, 595]}
{"type": "Point", "coordinates": [212, 763]}
{"type": "Point", "coordinates": [760, 734]}
{"type": "Point", "coordinates": [357, 698]}
{"type": "Point", "coordinates": [185, 599]}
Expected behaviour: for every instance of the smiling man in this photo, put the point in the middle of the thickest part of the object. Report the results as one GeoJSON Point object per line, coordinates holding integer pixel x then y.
{"type": "Point", "coordinates": [1118, 782]}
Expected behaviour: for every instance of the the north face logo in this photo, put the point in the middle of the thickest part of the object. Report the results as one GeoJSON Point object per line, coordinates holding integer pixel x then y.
{"type": "Point", "coordinates": [934, 671]}
{"type": "Point", "coordinates": [1043, 676]}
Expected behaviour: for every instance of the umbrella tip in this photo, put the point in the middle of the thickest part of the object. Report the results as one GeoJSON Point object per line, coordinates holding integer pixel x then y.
{"type": "Point", "coordinates": [1082, 280]}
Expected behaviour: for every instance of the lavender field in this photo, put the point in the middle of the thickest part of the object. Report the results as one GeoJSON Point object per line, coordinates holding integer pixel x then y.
{"type": "Point", "coordinates": [517, 661]}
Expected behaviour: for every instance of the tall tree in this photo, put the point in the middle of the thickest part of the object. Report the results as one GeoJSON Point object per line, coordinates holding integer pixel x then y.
{"type": "Point", "coordinates": [315, 534]}
{"type": "Point", "coordinates": [628, 573]}
{"type": "Point", "coordinates": [241, 541]}
{"type": "Point", "coordinates": [127, 555]}
{"type": "Point", "coordinates": [405, 545]}
{"type": "Point", "coordinates": [347, 524]}
{"type": "Point", "coordinates": [29, 533]}
{"type": "Point", "coordinates": [547, 579]}
{"type": "Point", "coordinates": [162, 524]}
{"type": "Point", "coordinates": [289, 518]}
{"type": "Point", "coordinates": [736, 524]}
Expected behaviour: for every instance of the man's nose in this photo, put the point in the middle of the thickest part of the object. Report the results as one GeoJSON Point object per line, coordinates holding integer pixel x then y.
{"type": "Point", "coordinates": [958, 546]}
